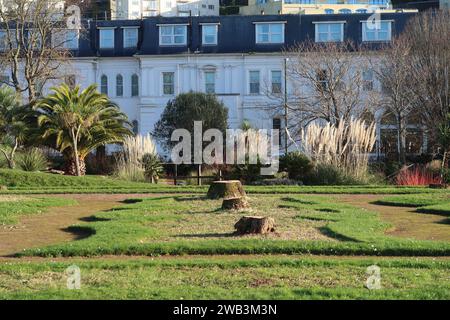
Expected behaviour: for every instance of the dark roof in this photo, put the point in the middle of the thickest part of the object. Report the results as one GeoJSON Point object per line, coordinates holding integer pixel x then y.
{"type": "Point", "coordinates": [236, 33]}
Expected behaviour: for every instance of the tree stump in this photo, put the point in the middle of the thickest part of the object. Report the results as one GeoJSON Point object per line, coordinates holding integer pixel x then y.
{"type": "Point", "coordinates": [236, 203]}
{"type": "Point", "coordinates": [225, 189]}
{"type": "Point", "coordinates": [255, 224]}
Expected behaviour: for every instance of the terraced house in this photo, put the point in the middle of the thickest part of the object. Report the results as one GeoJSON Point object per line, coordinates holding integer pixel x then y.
{"type": "Point", "coordinates": [142, 64]}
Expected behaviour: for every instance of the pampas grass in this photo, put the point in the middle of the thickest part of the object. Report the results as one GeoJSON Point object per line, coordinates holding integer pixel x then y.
{"type": "Point", "coordinates": [346, 146]}
{"type": "Point", "coordinates": [129, 165]}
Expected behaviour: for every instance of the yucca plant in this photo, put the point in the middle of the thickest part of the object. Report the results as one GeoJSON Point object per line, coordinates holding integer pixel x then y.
{"type": "Point", "coordinates": [32, 159]}
{"type": "Point", "coordinates": [13, 124]}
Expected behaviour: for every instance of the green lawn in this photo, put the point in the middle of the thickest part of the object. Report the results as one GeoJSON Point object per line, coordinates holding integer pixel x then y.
{"type": "Point", "coordinates": [416, 200]}
{"type": "Point", "coordinates": [431, 203]}
{"type": "Point", "coordinates": [193, 225]}
{"type": "Point", "coordinates": [220, 264]}
{"type": "Point", "coordinates": [277, 277]}
{"type": "Point", "coordinates": [13, 207]}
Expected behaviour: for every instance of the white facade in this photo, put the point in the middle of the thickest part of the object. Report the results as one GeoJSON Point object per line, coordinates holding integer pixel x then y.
{"type": "Point", "coordinates": [137, 9]}
{"type": "Point", "coordinates": [232, 81]}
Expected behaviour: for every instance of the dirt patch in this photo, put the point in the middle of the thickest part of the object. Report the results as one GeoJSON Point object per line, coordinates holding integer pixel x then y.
{"type": "Point", "coordinates": [406, 222]}
{"type": "Point", "coordinates": [52, 227]}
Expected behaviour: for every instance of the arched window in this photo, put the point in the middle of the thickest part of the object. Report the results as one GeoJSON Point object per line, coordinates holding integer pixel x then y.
{"type": "Point", "coordinates": [104, 84]}
{"type": "Point", "coordinates": [361, 10]}
{"type": "Point", "coordinates": [345, 11]}
{"type": "Point", "coordinates": [135, 124]}
{"type": "Point", "coordinates": [329, 11]}
{"type": "Point", "coordinates": [134, 85]}
{"type": "Point", "coordinates": [119, 85]}
{"type": "Point", "coordinates": [388, 118]}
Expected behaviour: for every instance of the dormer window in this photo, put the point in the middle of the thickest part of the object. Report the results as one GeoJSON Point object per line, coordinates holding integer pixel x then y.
{"type": "Point", "coordinates": [332, 31]}
{"type": "Point", "coordinates": [130, 37]}
{"type": "Point", "coordinates": [173, 35]}
{"type": "Point", "coordinates": [269, 32]}
{"type": "Point", "coordinates": [209, 34]}
{"type": "Point", "coordinates": [65, 39]}
{"type": "Point", "coordinates": [106, 38]}
{"type": "Point", "coordinates": [376, 31]}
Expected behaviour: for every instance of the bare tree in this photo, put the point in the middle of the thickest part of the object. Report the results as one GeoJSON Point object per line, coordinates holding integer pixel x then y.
{"type": "Point", "coordinates": [393, 70]}
{"type": "Point", "coordinates": [34, 44]}
{"type": "Point", "coordinates": [428, 34]}
{"type": "Point", "coordinates": [327, 82]}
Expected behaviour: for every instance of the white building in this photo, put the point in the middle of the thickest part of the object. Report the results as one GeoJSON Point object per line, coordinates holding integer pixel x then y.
{"type": "Point", "coordinates": [141, 65]}
{"type": "Point", "coordinates": [137, 9]}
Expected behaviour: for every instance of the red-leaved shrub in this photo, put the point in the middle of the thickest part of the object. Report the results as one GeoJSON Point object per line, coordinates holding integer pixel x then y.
{"type": "Point", "coordinates": [416, 177]}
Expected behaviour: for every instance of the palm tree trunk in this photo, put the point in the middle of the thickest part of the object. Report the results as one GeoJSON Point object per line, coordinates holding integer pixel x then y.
{"type": "Point", "coordinates": [75, 153]}
{"type": "Point", "coordinates": [70, 168]}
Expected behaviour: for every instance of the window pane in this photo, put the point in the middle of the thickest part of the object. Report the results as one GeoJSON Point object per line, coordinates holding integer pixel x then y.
{"type": "Point", "coordinates": [277, 38]}
{"type": "Point", "coordinates": [335, 37]}
{"type": "Point", "coordinates": [323, 37]}
{"type": "Point", "coordinates": [119, 86]}
{"type": "Point", "coordinates": [210, 39]}
{"type": "Point", "coordinates": [211, 30]}
{"type": "Point", "coordinates": [254, 76]}
{"type": "Point", "coordinates": [264, 37]}
{"type": "Point", "coordinates": [264, 28]}
{"type": "Point", "coordinates": [254, 82]}
{"type": "Point", "coordinates": [276, 81]}
{"type": "Point", "coordinates": [168, 82]}
{"type": "Point", "coordinates": [276, 28]}
{"type": "Point", "coordinates": [383, 35]}
{"type": "Point", "coordinates": [166, 30]}
{"type": "Point", "coordinates": [179, 30]}
{"type": "Point", "coordinates": [322, 27]}
{"type": "Point", "coordinates": [166, 39]}
{"type": "Point", "coordinates": [335, 27]}
{"type": "Point", "coordinates": [210, 82]}
{"type": "Point", "coordinates": [134, 85]}
{"type": "Point", "coordinates": [370, 35]}
{"type": "Point", "coordinates": [104, 84]}
{"type": "Point", "coordinates": [179, 39]}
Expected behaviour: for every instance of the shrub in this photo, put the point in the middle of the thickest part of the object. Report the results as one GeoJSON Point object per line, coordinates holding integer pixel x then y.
{"type": "Point", "coordinates": [327, 174]}
{"type": "Point", "coordinates": [32, 159]}
{"type": "Point", "coordinates": [416, 177]}
{"type": "Point", "coordinates": [296, 164]}
{"type": "Point", "coordinates": [152, 167]}
{"type": "Point", "coordinates": [247, 173]}
{"type": "Point", "coordinates": [277, 182]}
{"type": "Point", "coordinates": [446, 175]}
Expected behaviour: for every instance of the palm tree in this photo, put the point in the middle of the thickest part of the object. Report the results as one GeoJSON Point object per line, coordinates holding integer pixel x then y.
{"type": "Point", "coordinates": [13, 124]}
{"type": "Point", "coordinates": [78, 121]}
